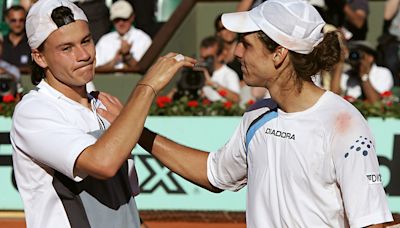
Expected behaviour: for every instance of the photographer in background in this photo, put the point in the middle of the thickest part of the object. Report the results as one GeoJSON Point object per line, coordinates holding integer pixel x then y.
{"type": "Point", "coordinates": [211, 77]}
{"type": "Point", "coordinates": [222, 81]}
{"type": "Point", "coordinates": [364, 80]}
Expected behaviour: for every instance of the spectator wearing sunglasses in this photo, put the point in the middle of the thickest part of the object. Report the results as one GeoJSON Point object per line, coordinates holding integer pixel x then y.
{"type": "Point", "coordinates": [15, 46]}
{"type": "Point", "coordinates": [124, 47]}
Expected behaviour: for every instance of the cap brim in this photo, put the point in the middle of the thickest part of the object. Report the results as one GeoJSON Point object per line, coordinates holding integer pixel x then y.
{"type": "Point", "coordinates": [239, 22]}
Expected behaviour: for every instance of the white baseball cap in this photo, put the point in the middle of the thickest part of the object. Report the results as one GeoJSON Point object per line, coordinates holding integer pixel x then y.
{"type": "Point", "coordinates": [39, 24]}
{"type": "Point", "coordinates": [120, 9]}
{"type": "Point", "coordinates": [293, 24]}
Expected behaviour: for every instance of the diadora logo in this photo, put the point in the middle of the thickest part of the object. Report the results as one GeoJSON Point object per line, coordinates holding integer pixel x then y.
{"type": "Point", "coordinates": [374, 178]}
{"type": "Point", "coordinates": [282, 134]}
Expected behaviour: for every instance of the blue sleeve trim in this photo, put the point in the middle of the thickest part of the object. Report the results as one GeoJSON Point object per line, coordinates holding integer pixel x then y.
{"type": "Point", "coordinates": [252, 130]}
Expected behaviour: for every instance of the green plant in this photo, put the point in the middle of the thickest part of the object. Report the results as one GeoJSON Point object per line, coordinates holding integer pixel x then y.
{"type": "Point", "coordinates": [388, 107]}
{"type": "Point", "coordinates": [7, 105]}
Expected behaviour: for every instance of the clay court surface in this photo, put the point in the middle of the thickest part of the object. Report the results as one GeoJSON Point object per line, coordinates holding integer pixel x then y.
{"type": "Point", "coordinates": [158, 219]}
{"type": "Point", "coordinates": [172, 219]}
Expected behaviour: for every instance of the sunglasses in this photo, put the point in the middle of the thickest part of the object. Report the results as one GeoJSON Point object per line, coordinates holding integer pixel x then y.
{"type": "Point", "coordinates": [116, 20]}
{"type": "Point", "coordinates": [15, 20]}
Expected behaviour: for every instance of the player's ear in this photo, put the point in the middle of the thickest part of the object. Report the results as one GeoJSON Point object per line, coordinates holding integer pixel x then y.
{"type": "Point", "coordinates": [279, 55]}
{"type": "Point", "coordinates": [38, 57]}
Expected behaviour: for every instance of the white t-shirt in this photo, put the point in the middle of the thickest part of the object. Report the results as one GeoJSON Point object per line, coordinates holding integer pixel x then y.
{"type": "Point", "coordinates": [380, 78]}
{"type": "Point", "coordinates": [225, 77]}
{"type": "Point", "coordinates": [303, 169]}
{"type": "Point", "coordinates": [109, 44]}
{"type": "Point", "coordinates": [48, 133]}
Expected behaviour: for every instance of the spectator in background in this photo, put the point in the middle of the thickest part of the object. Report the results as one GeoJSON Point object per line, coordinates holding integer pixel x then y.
{"type": "Point", "coordinates": [145, 16]}
{"type": "Point", "coordinates": [230, 41]}
{"type": "Point", "coordinates": [98, 15]}
{"type": "Point", "coordinates": [15, 46]}
{"type": "Point", "coordinates": [10, 71]}
{"type": "Point", "coordinates": [223, 79]}
{"type": "Point", "coordinates": [389, 41]}
{"type": "Point", "coordinates": [124, 47]}
{"type": "Point", "coordinates": [364, 80]}
{"type": "Point", "coordinates": [356, 19]}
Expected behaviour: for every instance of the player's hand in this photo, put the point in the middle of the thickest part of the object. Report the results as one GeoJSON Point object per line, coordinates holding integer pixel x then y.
{"type": "Point", "coordinates": [164, 70]}
{"type": "Point", "coordinates": [113, 106]}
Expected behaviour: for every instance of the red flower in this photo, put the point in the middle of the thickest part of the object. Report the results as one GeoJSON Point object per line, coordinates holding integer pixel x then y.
{"type": "Point", "coordinates": [8, 98]}
{"type": "Point", "coordinates": [349, 98]}
{"type": "Point", "coordinates": [193, 104]}
{"type": "Point", "coordinates": [250, 102]}
{"type": "Point", "coordinates": [160, 104]}
{"type": "Point", "coordinates": [227, 104]}
{"type": "Point", "coordinates": [222, 93]}
{"type": "Point", "coordinates": [387, 94]}
{"type": "Point", "coordinates": [162, 101]}
{"type": "Point", "coordinates": [206, 102]}
{"type": "Point", "coordinates": [389, 103]}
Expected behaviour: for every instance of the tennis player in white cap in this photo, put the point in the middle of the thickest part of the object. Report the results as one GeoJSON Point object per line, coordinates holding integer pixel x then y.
{"type": "Point", "coordinates": [70, 164]}
{"type": "Point", "coordinates": [307, 156]}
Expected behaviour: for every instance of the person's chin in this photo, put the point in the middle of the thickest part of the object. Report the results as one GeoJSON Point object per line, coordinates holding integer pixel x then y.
{"type": "Point", "coordinates": [249, 82]}
{"type": "Point", "coordinates": [86, 72]}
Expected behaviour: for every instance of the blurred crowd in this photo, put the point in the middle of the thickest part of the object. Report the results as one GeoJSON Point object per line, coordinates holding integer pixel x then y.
{"type": "Point", "coordinates": [124, 30]}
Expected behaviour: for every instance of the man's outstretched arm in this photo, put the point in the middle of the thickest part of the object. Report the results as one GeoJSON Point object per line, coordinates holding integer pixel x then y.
{"type": "Point", "coordinates": [187, 162]}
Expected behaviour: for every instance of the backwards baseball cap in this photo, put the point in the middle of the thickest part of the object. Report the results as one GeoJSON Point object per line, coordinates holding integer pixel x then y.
{"type": "Point", "coordinates": [120, 9]}
{"type": "Point", "coordinates": [293, 24]}
{"type": "Point", "coordinates": [39, 24]}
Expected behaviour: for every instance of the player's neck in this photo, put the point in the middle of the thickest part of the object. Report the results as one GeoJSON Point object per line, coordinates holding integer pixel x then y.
{"type": "Point", "coordinates": [75, 93]}
{"type": "Point", "coordinates": [297, 99]}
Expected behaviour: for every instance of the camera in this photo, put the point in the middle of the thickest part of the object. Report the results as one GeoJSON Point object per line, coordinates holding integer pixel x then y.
{"type": "Point", "coordinates": [193, 79]}
{"type": "Point", "coordinates": [8, 85]}
{"type": "Point", "coordinates": [354, 58]}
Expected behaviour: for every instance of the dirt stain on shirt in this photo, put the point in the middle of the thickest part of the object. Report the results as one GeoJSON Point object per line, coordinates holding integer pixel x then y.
{"type": "Point", "coordinates": [343, 122]}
